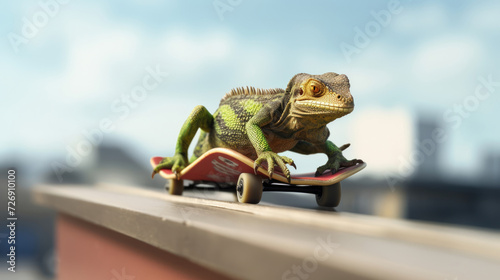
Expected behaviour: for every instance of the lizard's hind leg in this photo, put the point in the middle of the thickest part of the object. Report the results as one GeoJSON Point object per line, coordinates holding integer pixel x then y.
{"type": "Point", "coordinates": [199, 118]}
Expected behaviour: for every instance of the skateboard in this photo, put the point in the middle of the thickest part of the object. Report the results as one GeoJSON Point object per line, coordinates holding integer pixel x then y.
{"type": "Point", "coordinates": [225, 166]}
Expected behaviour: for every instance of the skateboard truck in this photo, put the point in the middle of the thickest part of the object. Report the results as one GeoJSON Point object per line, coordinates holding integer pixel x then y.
{"type": "Point", "coordinates": [249, 189]}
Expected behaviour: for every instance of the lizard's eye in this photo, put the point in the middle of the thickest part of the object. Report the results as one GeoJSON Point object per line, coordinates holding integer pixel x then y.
{"type": "Point", "coordinates": [315, 88]}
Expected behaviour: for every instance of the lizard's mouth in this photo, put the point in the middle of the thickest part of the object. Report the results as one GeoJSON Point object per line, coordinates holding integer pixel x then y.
{"type": "Point", "coordinates": [324, 105]}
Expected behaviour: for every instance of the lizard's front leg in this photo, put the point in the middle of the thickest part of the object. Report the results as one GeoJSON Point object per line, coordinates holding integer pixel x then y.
{"type": "Point", "coordinates": [199, 118]}
{"type": "Point", "coordinates": [334, 153]}
{"type": "Point", "coordinates": [261, 146]}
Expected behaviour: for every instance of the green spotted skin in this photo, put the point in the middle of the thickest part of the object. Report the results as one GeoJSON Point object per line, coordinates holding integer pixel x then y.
{"type": "Point", "coordinates": [261, 123]}
{"type": "Point", "coordinates": [231, 118]}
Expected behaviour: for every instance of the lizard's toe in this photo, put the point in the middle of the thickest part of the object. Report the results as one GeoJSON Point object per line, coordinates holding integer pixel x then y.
{"type": "Point", "coordinates": [270, 167]}
{"type": "Point", "coordinates": [156, 170]}
{"type": "Point", "coordinates": [256, 165]}
{"type": "Point", "coordinates": [273, 159]}
{"type": "Point", "coordinates": [332, 166]}
{"type": "Point", "coordinates": [351, 163]}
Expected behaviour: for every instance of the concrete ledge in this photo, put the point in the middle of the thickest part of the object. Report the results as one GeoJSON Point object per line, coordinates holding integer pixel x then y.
{"type": "Point", "coordinates": [265, 242]}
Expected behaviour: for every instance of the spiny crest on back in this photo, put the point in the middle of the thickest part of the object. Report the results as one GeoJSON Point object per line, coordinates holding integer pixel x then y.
{"type": "Point", "coordinates": [251, 91]}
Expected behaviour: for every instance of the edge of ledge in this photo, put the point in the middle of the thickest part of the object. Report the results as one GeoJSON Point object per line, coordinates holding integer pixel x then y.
{"type": "Point", "coordinates": [198, 228]}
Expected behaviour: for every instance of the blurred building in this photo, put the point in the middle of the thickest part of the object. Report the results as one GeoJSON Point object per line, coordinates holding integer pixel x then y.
{"type": "Point", "coordinates": [114, 164]}
{"type": "Point", "coordinates": [491, 168]}
{"type": "Point", "coordinates": [431, 197]}
{"type": "Point", "coordinates": [111, 163]}
{"type": "Point", "coordinates": [427, 195]}
{"type": "Point", "coordinates": [428, 148]}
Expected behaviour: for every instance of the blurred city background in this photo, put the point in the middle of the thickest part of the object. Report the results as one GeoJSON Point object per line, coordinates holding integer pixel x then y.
{"type": "Point", "coordinates": [92, 90]}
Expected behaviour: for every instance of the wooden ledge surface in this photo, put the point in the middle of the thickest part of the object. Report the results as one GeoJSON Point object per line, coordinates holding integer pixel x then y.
{"type": "Point", "coordinates": [270, 242]}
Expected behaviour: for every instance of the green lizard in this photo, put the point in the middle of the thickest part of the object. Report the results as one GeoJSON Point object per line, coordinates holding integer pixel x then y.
{"type": "Point", "coordinates": [259, 123]}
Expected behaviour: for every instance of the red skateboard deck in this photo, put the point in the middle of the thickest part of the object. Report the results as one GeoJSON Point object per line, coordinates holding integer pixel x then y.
{"type": "Point", "coordinates": [222, 165]}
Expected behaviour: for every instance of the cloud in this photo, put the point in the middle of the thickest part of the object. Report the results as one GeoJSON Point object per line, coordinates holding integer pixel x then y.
{"type": "Point", "coordinates": [96, 50]}
{"type": "Point", "coordinates": [366, 81]}
{"type": "Point", "coordinates": [189, 50]}
{"type": "Point", "coordinates": [446, 57]}
{"type": "Point", "coordinates": [484, 16]}
{"type": "Point", "coordinates": [429, 17]}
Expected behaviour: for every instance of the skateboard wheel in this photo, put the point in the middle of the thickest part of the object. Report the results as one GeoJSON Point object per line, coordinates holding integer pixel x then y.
{"type": "Point", "coordinates": [329, 196]}
{"type": "Point", "coordinates": [249, 188]}
{"type": "Point", "coordinates": [176, 187]}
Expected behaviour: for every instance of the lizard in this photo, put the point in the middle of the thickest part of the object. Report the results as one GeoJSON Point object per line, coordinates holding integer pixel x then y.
{"type": "Point", "coordinates": [260, 123]}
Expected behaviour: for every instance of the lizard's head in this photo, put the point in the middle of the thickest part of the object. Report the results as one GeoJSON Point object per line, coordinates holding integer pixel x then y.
{"type": "Point", "coordinates": [326, 97]}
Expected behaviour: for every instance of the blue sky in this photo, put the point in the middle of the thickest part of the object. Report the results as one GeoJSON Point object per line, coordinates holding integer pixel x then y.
{"type": "Point", "coordinates": [418, 58]}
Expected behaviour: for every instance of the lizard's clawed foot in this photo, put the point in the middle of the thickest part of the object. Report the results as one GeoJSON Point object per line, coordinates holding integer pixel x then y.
{"type": "Point", "coordinates": [274, 159]}
{"type": "Point", "coordinates": [335, 163]}
{"type": "Point", "coordinates": [175, 163]}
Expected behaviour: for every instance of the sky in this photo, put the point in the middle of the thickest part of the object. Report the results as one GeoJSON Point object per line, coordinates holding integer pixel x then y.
{"type": "Point", "coordinates": [74, 74]}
